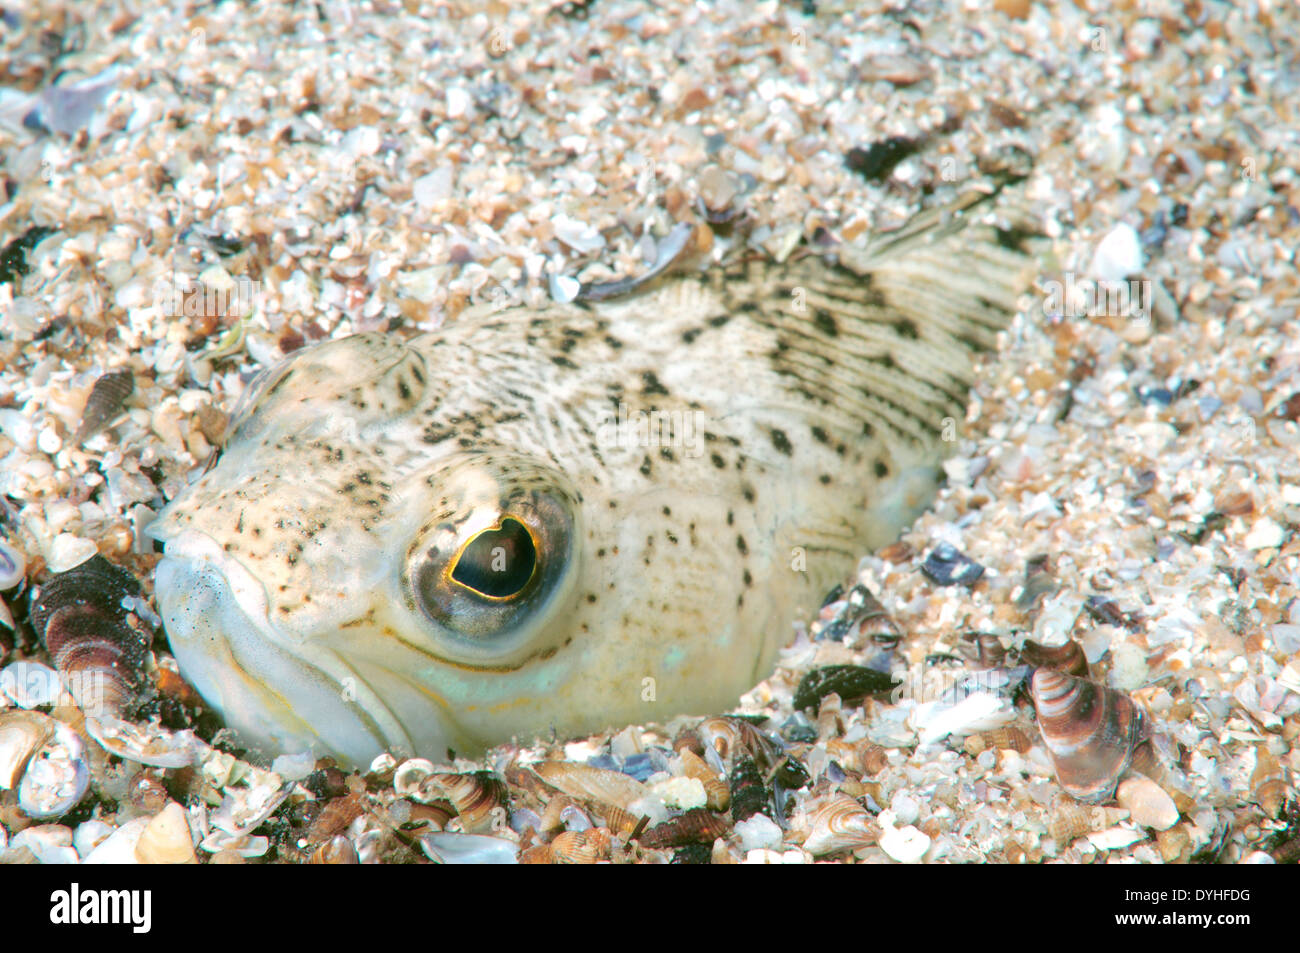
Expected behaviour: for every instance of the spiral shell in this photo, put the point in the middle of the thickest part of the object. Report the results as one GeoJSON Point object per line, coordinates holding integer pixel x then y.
{"type": "Point", "coordinates": [726, 738]}
{"type": "Point", "coordinates": [840, 824]}
{"type": "Point", "coordinates": [1067, 658]}
{"type": "Point", "coordinates": [717, 794]}
{"type": "Point", "coordinates": [696, 826]}
{"type": "Point", "coordinates": [98, 645]}
{"type": "Point", "coordinates": [336, 850]}
{"type": "Point", "coordinates": [1068, 822]}
{"type": "Point", "coordinates": [106, 398]}
{"type": "Point", "coordinates": [984, 649]}
{"type": "Point", "coordinates": [749, 795]}
{"type": "Point", "coordinates": [479, 798]}
{"type": "Point", "coordinates": [1090, 732]}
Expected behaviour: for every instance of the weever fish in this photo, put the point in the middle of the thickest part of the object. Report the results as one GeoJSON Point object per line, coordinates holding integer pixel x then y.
{"type": "Point", "coordinates": [444, 543]}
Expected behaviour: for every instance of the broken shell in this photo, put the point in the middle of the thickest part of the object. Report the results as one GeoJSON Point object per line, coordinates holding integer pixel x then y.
{"type": "Point", "coordinates": [479, 798]}
{"type": "Point", "coordinates": [22, 734]}
{"type": "Point", "coordinates": [984, 649]}
{"type": "Point", "coordinates": [538, 854]}
{"type": "Point", "coordinates": [1090, 732]}
{"type": "Point", "coordinates": [1007, 738]}
{"type": "Point", "coordinates": [410, 774]}
{"type": "Point", "coordinates": [57, 776]}
{"type": "Point", "coordinates": [726, 739]}
{"type": "Point", "coordinates": [119, 846]}
{"type": "Point", "coordinates": [697, 826]}
{"type": "Point", "coordinates": [107, 395]}
{"type": "Point", "coordinates": [1147, 803]}
{"type": "Point", "coordinates": [948, 566]}
{"type": "Point", "coordinates": [167, 838]}
{"type": "Point", "coordinates": [445, 848]}
{"type": "Point", "coordinates": [98, 644]}
{"type": "Point", "coordinates": [336, 850]}
{"type": "Point", "coordinates": [907, 845]}
{"type": "Point", "coordinates": [149, 744]}
{"type": "Point", "coordinates": [717, 794]}
{"type": "Point", "coordinates": [591, 784]}
{"type": "Point", "coordinates": [581, 847]}
{"type": "Point", "coordinates": [840, 824]}
{"type": "Point", "coordinates": [1067, 658]}
{"type": "Point", "coordinates": [50, 843]}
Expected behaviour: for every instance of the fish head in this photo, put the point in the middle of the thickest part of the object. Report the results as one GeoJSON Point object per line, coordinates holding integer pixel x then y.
{"type": "Point", "coordinates": [327, 588]}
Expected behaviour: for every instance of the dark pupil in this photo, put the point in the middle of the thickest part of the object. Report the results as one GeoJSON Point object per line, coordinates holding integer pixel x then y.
{"type": "Point", "coordinates": [497, 562]}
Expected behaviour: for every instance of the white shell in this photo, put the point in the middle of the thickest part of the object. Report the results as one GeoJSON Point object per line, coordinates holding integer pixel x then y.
{"type": "Point", "coordinates": [119, 847]}
{"type": "Point", "coordinates": [51, 843]}
{"type": "Point", "coordinates": [145, 744]}
{"type": "Point", "coordinates": [1118, 255]}
{"type": "Point", "coordinates": [468, 849]}
{"type": "Point", "coordinates": [1115, 838]}
{"type": "Point", "coordinates": [408, 777]}
{"type": "Point", "coordinates": [57, 777]}
{"type": "Point", "coordinates": [907, 845]}
{"type": "Point", "coordinates": [242, 844]}
{"type": "Point", "coordinates": [980, 711]}
{"type": "Point", "coordinates": [89, 835]}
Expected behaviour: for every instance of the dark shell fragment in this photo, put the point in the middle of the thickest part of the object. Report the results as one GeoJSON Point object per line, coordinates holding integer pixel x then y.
{"type": "Point", "coordinates": [851, 682]}
{"type": "Point", "coordinates": [748, 793]}
{"type": "Point", "coordinates": [696, 826]}
{"type": "Point", "coordinates": [948, 566]}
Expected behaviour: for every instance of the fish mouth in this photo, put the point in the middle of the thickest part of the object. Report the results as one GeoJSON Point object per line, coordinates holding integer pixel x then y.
{"type": "Point", "coordinates": [279, 692]}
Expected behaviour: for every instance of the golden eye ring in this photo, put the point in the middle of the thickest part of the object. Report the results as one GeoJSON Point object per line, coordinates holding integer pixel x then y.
{"type": "Point", "coordinates": [497, 564]}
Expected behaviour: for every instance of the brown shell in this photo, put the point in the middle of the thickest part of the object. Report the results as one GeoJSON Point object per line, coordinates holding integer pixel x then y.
{"type": "Point", "coordinates": [735, 737]}
{"type": "Point", "coordinates": [1268, 783]}
{"type": "Point", "coordinates": [581, 847]}
{"type": "Point", "coordinates": [840, 824]}
{"type": "Point", "coordinates": [99, 648]}
{"type": "Point", "coordinates": [591, 784]}
{"type": "Point", "coordinates": [336, 850]}
{"type": "Point", "coordinates": [984, 649]}
{"type": "Point", "coordinates": [479, 798]}
{"type": "Point", "coordinates": [1068, 822]}
{"type": "Point", "coordinates": [872, 758]}
{"type": "Point", "coordinates": [718, 795]}
{"type": "Point", "coordinates": [1007, 738]}
{"type": "Point", "coordinates": [696, 826]}
{"type": "Point", "coordinates": [538, 854]}
{"type": "Point", "coordinates": [1090, 732]}
{"type": "Point", "coordinates": [1067, 658]}
{"type": "Point", "coordinates": [105, 402]}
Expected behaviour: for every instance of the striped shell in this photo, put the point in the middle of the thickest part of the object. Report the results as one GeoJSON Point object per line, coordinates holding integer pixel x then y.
{"type": "Point", "coordinates": [581, 847]}
{"type": "Point", "coordinates": [1090, 732]}
{"type": "Point", "coordinates": [1068, 822]}
{"type": "Point", "coordinates": [1067, 658]}
{"type": "Point", "coordinates": [336, 850]}
{"type": "Point", "coordinates": [696, 826]}
{"type": "Point", "coordinates": [727, 738]}
{"type": "Point", "coordinates": [717, 793]}
{"type": "Point", "coordinates": [105, 402]}
{"type": "Point", "coordinates": [840, 824]}
{"type": "Point", "coordinates": [591, 784]}
{"type": "Point", "coordinates": [99, 646]}
{"type": "Point", "coordinates": [479, 798]}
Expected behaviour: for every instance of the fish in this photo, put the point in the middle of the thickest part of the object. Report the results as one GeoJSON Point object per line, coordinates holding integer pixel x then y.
{"type": "Point", "coordinates": [546, 521]}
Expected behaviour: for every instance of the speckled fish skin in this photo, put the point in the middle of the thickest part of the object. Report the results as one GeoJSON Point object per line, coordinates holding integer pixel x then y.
{"type": "Point", "coordinates": [309, 583]}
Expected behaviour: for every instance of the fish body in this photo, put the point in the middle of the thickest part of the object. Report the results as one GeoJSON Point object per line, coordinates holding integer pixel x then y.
{"type": "Point", "coordinates": [574, 517]}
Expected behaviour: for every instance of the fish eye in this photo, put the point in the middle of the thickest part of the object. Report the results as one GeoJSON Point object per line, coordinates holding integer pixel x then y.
{"type": "Point", "coordinates": [498, 563]}
{"type": "Point", "coordinates": [486, 578]}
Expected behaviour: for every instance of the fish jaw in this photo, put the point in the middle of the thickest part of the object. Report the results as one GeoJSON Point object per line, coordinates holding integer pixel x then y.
{"type": "Point", "coordinates": [278, 693]}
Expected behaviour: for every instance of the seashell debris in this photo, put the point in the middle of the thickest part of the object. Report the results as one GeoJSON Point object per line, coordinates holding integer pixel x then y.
{"type": "Point", "coordinates": [1090, 732]}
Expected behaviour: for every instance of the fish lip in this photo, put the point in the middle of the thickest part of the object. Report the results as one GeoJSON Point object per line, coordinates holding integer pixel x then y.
{"type": "Point", "coordinates": [276, 691]}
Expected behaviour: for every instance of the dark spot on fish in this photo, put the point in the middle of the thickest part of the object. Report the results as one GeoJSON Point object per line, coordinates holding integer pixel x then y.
{"type": "Point", "coordinates": [882, 469]}
{"type": "Point", "coordinates": [820, 435]}
{"type": "Point", "coordinates": [740, 545]}
{"type": "Point", "coordinates": [718, 461]}
{"type": "Point", "coordinates": [645, 470]}
{"type": "Point", "coordinates": [825, 323]}
{"type": "Point", "coordinates": [650, 384]}
{"type": "Point", "coordinates": [906, 329]}
{"type": "Point", "coordinates": [781, 442]}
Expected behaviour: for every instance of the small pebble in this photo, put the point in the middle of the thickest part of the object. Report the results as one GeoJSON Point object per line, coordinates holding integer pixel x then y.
{"type": "Point", "coordinates": [906, 844]}
{"type": "Point", "coordinates": [758, 831]}
{"type": "Point", "coordinates": [681, 793]}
